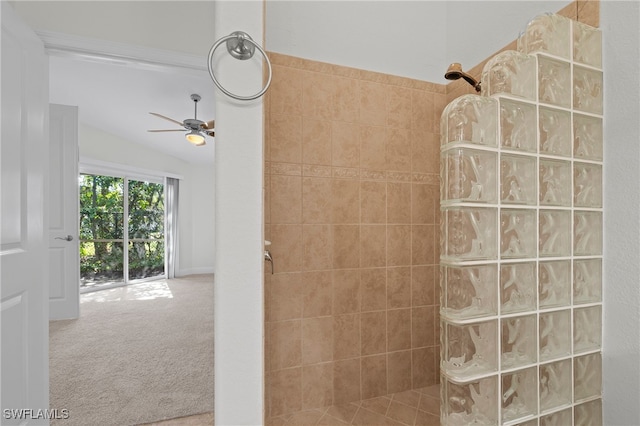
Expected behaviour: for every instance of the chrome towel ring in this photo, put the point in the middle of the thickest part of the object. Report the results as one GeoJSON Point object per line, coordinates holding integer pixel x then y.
{"type": "Point", "coordinates": [241, 46]}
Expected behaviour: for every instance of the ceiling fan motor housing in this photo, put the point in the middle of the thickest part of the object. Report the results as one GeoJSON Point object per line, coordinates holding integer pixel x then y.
{"type": "Point", "coordinates": [193, 124]}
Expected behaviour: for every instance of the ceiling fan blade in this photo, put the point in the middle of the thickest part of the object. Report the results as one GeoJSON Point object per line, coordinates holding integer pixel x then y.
{"type": "Point", "coordinates": [173, 130]}
{"type": "Point", "coordinates": [167, 118]}
{"type": "Point", "coordinates": [210, 133]}
{"type": "Point", "coordinates": [208, 124]}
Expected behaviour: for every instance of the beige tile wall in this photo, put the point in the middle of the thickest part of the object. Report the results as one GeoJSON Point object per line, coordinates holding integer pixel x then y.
{"type": "Point", "coordinates": [352, 206]}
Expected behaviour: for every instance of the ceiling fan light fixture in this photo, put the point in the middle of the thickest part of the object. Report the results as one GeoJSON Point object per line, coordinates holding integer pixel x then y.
{"type": "Point", "coordinates": [195, 137]}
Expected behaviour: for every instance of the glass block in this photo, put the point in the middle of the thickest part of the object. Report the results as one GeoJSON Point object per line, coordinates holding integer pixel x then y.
{"type": "Point", "coordinates": [469, 350]}
{"type": "Point", "coordinates": [554, 82]}
{"type": "Point", "coordinates": [518, 179]}
{"type": "Point", "coordinates": [587, 185]}
{"type": "Point", "coordinates": [519, 346]}
{"type": "Point", "coordinates": [443, 175]}
{"type": "Point", "coordinates": [518, 126]}
{"type": "Point", "coordinates": [555, 385]}
{"type": "Point", "coordinates": [587, 137]}
{"type": "Point", "coordinates": [587, 329]}
{"type": "Point", "coordinates": [470, 233]}
{"type": "Point", "coordinates": [519, 394]}
{"type": "Point", "coordinates": [466, 403]}
{"type": "Point", "coordinates": [511, 73]}
{"type": "Point", "coordinates": [471, 119]}
{"type": "Point", "coordinates": [549, 33]}
{"type": "Point", "coordinates": [554, 283]}
{"type": "Point", "coordinates": [587, 233]}
{"type": "Point", "coordinates": [517, 287]}
{"type": "Point", "coordinates": [587, 90]}
{"type": "Point", "coordinates": [469, 291]}
{"type": "Point", "coordinates": [517, 233]}
{"type": "Point", "coordinates": [555, 233]}
{"type": "Point", "coordinates": [587, 281]}
{"type": "Point", "coordinates": [555, 132]}
{"type": "Point", "coordinates": [532, 422]}
{"type": "Point", "coordinates": [587, 376]}
{"type": "Point", "coordinates": [471, 175]}
{"type": "Point", "coordinates": [588, 414]}
{"type": "Point", "coordinates": [587, 44]}
{"type": "Point", "coordinates": [560, 418]}
{"type": "Point", "coordinates": [555, 335]}
{"type": "Point", "coordinates": [555, 189]}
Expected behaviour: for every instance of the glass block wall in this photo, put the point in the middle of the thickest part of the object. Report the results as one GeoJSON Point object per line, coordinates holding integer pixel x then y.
{"type": "Point", "coordinates": [521, 237]}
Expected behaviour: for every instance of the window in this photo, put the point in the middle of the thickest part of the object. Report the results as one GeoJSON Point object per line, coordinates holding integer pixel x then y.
{"type": "Point", "coordinates": [118, 212]}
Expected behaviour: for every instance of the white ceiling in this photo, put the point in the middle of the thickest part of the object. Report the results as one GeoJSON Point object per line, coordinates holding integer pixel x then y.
{"type": "Point", "coordinates": [415, 39]}
{"type": "Point", "coordinates": [117, 98]}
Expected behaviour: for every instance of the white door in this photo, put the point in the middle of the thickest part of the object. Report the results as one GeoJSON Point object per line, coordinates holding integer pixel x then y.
{"type": "Point", "coordinates": [64, 268]}
{"type": "Point", "coordinates": [24, 291]}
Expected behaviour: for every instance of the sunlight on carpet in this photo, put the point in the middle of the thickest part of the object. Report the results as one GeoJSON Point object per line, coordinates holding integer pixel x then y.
{"type": "Point", "coordinates": [143, 291]}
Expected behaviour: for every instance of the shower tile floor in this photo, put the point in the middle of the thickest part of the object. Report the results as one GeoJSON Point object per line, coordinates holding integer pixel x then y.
{"type": "Point", "coordinates": [415, 407]}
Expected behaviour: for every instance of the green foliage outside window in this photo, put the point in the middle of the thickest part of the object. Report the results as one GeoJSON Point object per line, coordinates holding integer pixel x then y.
{"type": "Point", "coordinates": [102, 219]}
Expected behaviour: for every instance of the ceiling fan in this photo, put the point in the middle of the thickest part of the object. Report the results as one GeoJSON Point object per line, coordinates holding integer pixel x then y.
{"type": "Point", "coordinates": [196, 129]}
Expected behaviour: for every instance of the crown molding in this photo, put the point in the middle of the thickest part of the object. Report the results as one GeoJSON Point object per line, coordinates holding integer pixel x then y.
{"type": "Point", "coordinates": [63, 44]}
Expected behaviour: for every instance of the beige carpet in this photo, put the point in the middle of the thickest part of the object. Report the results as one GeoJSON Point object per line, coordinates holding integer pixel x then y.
{"type": "Point", "coordinates": [136, 361]}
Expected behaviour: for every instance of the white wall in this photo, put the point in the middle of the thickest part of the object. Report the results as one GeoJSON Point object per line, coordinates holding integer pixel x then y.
{"type": "Point", "coordinates": [182, 26]}
{"type": "Point", "coordinates": [621, 337]}
{"type": "Point", "coordinates": [196, 227]}
{"type": "Point", "coordinates": [238, 291]}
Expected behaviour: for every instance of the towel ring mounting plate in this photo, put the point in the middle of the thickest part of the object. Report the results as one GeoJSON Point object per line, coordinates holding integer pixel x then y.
{"type": "Point", "coordinates": [241, 46]}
